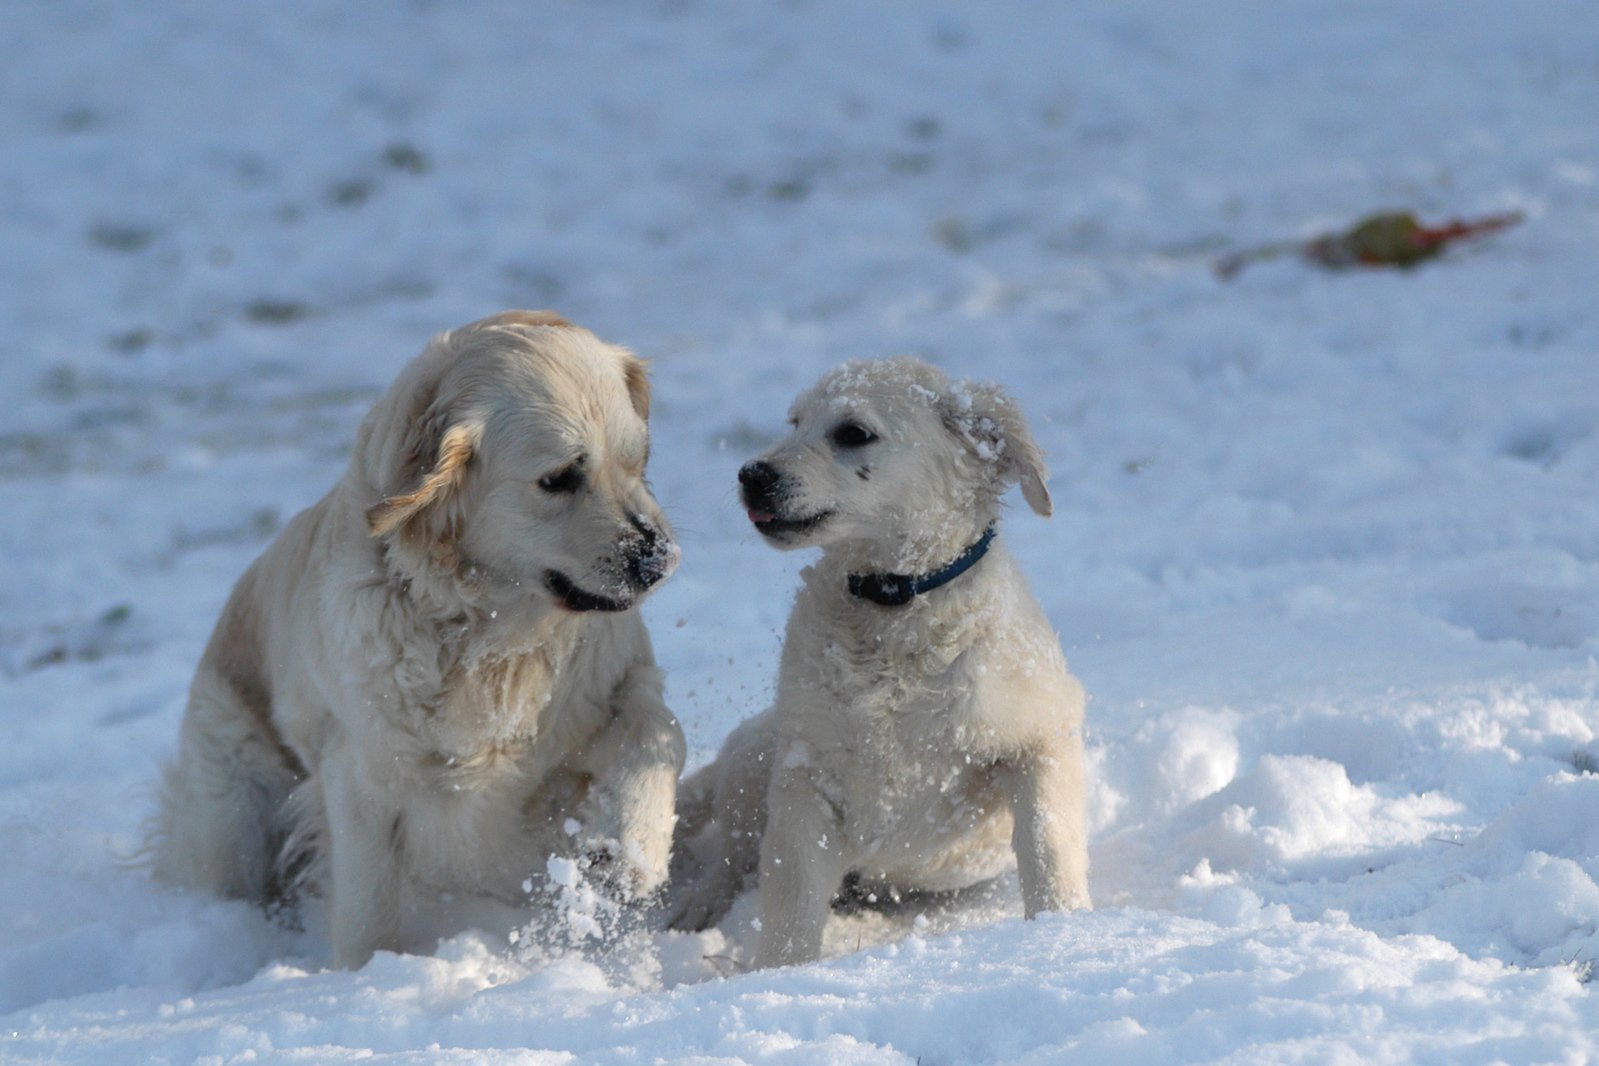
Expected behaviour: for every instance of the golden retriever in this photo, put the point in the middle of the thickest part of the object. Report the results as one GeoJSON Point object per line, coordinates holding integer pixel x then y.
{"type": "Point", "coordinates": [925, 727]}
{"type": "Point", "coordinates": [433, 680]}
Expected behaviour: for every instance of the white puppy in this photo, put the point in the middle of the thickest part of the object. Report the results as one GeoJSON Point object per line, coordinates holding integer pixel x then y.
{"type": "Point", "coordinates": [434, 672]}
{"type": "Point", "coordinates": [926, 726]}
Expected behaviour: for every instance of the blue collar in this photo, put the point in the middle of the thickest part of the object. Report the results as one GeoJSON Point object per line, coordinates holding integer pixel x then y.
{"type": "Point", "coordinates": [896, 590]}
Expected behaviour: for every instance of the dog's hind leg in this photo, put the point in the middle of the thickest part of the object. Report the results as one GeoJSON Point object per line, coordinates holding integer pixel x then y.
{"type": "Point", "coordinates": [696, 804]}
{"type": "Point", "coordinates": [721, 819]}
{"type": "Point", "coordinates": [221, 824]}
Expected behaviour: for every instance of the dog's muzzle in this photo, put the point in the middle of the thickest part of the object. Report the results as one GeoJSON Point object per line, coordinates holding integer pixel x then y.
{"type": "Point", "coordinates": [765, 499]}
{"type": "Point", "coordinates": [644, 558]}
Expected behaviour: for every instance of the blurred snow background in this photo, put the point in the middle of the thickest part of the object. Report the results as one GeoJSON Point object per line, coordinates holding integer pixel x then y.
{"type": "Point", "coordinates": [1326, 547]}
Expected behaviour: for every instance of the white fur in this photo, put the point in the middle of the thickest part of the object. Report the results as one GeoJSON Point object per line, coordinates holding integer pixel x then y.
{"type": "Point", "coordinates": [396, 707]}
{"type": "Point", "coordinates": [917, 747]}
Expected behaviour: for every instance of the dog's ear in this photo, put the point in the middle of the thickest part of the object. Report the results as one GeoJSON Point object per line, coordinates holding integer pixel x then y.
{"type": "Point", "coordinates": [636, 372]}
{"type": "Point", "coordinates": [993, 426]}
{"type": "Point", "coordinates": [437, 452]}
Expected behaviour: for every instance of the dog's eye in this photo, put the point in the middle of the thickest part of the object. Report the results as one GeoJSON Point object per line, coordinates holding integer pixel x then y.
{"type": "Point", "coordinates": [852, 435]}
{"type": "Point", "coordinates": [567, 479]}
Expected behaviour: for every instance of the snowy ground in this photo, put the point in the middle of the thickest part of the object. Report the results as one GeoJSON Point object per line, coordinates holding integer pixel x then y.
{"type": "Point", "coordinates": [1326, 548]}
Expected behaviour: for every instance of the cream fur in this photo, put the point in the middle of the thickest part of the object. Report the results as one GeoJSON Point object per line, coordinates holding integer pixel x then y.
{"type": "Point", "coordinates": [397, 705]}
{"type": "Point", "coordinates": [918, 747]}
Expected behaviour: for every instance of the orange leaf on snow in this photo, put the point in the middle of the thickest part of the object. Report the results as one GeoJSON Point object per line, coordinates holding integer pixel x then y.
{"type": "Point", "coordinates": [1385, 239]}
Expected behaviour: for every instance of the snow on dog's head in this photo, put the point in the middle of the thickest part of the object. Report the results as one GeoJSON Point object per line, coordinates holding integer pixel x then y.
{"type": "Point", "coordinates": [893, 455]}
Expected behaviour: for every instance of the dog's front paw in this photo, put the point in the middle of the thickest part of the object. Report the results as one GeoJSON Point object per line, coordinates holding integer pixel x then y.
{"type": "Point", "coordinates": [625, 871]}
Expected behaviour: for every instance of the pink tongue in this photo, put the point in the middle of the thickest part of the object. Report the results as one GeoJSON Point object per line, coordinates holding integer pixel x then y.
{"type": "Point", "coordinates": [760, 517]}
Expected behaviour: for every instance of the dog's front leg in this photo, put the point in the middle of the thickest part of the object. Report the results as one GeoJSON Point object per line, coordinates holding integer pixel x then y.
{"type": "Point", "coordinates": [365, 839]}
{"type": "Point", "coordinates": [802, 864]}
{"type": "Point", "coordinates": [636, 761]}
{"type": "Point", "coordinates": [1046, 795]}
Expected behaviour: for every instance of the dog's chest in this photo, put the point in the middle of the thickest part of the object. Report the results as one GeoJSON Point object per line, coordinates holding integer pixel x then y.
{"type": "Point", "coordinates": [905, 680]}
{"type": "Point", "coordinates": [907, 722]}
{"type": "Point", "coordinates": [909, 790]}
{"type": "Point", "coordinates": [510, 716]}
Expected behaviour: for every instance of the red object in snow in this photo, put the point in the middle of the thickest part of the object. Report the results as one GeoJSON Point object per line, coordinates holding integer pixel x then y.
{"type": "Point", "coordinates": [1390, 238]}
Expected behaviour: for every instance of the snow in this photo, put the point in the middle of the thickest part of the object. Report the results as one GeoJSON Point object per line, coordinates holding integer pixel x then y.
{"type": "Point", "coordinates": [1325, 550]}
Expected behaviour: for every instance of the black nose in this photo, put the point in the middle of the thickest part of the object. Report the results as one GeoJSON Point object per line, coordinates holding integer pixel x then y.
{"type": "Point", "coordinates": [650, 555]}
{"type": "Point", "coordinates": [759, 479]}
